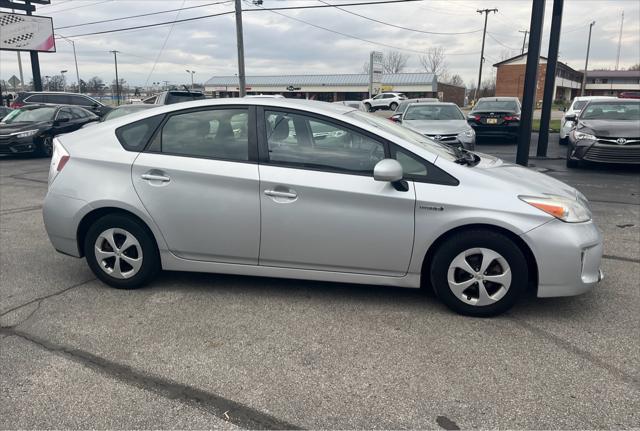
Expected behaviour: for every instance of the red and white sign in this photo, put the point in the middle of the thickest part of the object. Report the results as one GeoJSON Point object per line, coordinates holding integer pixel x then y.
{"type": "Point", "coordinates": [26, 33]}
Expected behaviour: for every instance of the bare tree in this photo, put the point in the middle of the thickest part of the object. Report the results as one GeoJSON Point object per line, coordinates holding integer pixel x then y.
{"type": "Point", "coordinates": [56, 83]}
{"type": "Point", "coordinates": [434, 61]}
{"type": "Point", "coordinates": [634, 67]}
{"type": "Point", "coordinates": [95, 85]}
{"type": "Point", "coordinates": [456, 80]}
{"type": "Point", "coordinates": [393, 62]}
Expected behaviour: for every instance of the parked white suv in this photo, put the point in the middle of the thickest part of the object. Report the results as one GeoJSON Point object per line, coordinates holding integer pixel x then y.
{"type": "Point", "coordinates": [573, 111]}
{"type": "Point", "coordinates": [384, 101]}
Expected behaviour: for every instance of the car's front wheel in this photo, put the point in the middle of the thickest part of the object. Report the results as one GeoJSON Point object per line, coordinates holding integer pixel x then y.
{"type": "Point", "coordinates": [570, 162]}
{"type": "Point", "coordinates": [479, 273]}
{"type": "Point", "coordinates": [121, 251]}
{"type": "Point", "coordinates": [564, 141]}
{"type": "Point", "coordinates": [44, 148]}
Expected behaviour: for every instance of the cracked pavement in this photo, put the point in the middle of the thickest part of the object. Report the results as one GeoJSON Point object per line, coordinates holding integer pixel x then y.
{"type": "Point", "coordinates": [218, 351]}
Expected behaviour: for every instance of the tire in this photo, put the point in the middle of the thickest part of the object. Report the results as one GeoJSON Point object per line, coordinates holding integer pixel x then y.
{"type": "Point", "coordinates": [119, 229]}
{"type": "Point", "coordinates": [476, 295]}
{"type": "Point", "coordinates": [368, 107]}
{"type": "Point", "coordinates": [44, 148]}
{"type": "Point", "coordinates": [393, 106]}
{"type": "Point", "coordinates": [570, 162]}
{"type": "Point", "coordinates": [564, 141]}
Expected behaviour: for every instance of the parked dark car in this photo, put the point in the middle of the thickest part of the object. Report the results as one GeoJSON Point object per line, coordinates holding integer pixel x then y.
{"type": "Point", "coordinates": [629, 95]}
{"type": "Point", "coordinates": [496, 117]}
{"type": "Point", "coordinates": [31, 129]}
{"type": "Point", "coordinates": [606, 131]}
{"type": "Point", "coordinates": [4, 111]}
{"type": "Point", "coordinates": [174, 96]}
{"type": "Point", "coordinates": [60, 98]}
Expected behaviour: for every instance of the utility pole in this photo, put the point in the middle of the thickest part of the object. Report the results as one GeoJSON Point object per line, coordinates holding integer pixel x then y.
{"type": "Point", "coordinates": [115, 60]}
{"type": "Point", "coordinates": [484, 34]}
{"type": "Point", "coordinates": [550, 78]}
{"type": "Point", "coordinates": [19, 64]}
{"type": "Point", "coordinates": [620, 40]}
{"type": "Point", "coordinates": [586, 61]}
{"type": "Point", "coordinates": [524, 41]}
{"type": "Point", "coordinates": [241, 78]}
{"type": "Point", "coordinates": [530, 82]}
{"type": "Point", "coordinates": [191, 72]}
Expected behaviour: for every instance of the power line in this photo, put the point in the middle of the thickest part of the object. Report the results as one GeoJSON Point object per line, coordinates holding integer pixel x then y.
{"type": "Point", "coordinates": [273, 10]}
{"type": "Point", "coordinates": [144, 14]}
{"type": "Point", "coordinates": [500, 43]}
{"type": "Point", "coordinates": [77, 7]}
{"type": "Point", "coordinates": [398, 26]}
{"type": "Point", "coordinates": [230, 12]}
{"type": "Point", "coordinates": [164, 44]}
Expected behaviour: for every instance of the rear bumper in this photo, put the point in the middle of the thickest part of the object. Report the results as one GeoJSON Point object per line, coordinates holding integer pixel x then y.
{"type": "Point", "coordinates": [496, 131]}
{"type": "Point", "coordinates": [61, 215]}
{"type": "Point", "coordinates": [568, 257]}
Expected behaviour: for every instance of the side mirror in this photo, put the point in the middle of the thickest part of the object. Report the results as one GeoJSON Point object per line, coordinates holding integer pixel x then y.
{"type": "Point", "coordinates": [388, 170]}
{"type": "Point", "coordinates": [571, 118]}
{"type": "Point", "coordinates": [396, 118]}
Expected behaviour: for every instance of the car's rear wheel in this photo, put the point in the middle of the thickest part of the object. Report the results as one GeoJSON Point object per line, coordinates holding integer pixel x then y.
{"type": "Point", "coordinates": [121, 251]}
{"type": "Point", "coordinates": [479, 273]}
{"type": "Point", "coordinates": [368, 107]}
{"type": "Point", "coordinates": [44, 148]}
{"type": "Point", "coordinates": [393, 106]}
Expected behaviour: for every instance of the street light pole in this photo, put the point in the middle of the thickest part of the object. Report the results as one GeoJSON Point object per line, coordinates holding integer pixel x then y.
{"type": "Point", "coordinates": [115, 60]}
{"type": "Point", "coordinates": [191, 72]}
{"type": "Point", "coordinates": [240, 42]}
{"type": "Point", "coordinates": [75, 59]}
{"type": "Point", "coordinates": [586, 61]}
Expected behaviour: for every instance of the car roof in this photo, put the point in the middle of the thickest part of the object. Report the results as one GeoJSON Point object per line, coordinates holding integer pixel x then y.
{"type": "Point", "coordinates": [432, 104]}
{"type": "Point", "coordinates": [498, 99]}
{"type": "Point", "coordinates": [593, 97]}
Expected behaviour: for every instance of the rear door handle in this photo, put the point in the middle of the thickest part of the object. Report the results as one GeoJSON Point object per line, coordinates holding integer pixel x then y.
{"type": "Point", "coordinates": [154, 177]}
{"type": "Point", "coordinates": [279, 194]}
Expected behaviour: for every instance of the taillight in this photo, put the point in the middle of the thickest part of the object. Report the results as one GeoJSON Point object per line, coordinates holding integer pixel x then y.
{"type": "Point", "coordinates": [477, 117]}
{"type": "Point", "coordinates": [16, 105]}
{"type": "Point", "coordinates": [59, 159]}
{"type": "Point", "coordinates": [511, 118]}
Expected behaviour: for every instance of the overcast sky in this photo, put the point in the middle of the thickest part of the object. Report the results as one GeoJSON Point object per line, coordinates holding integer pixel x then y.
{"type": "Point", "coordinates": [275, 44]}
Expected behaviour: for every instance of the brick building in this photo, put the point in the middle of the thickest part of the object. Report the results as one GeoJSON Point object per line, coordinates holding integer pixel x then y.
{"type": "Point", "coordinates": [510, 79]}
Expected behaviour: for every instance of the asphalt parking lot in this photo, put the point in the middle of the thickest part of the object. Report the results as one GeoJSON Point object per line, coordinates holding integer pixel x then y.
{"type": "Point", "coordinates": [211, 351]}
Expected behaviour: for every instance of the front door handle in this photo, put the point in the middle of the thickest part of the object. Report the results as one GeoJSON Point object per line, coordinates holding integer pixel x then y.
{"type": "Point", "coordinates": [154, 177]}
{"type": "Point", "coordinates": [279, 194]}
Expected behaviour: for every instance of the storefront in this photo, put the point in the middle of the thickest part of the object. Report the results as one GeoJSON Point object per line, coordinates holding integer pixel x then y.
{"type": "Point", "coordinates": [328, 88]}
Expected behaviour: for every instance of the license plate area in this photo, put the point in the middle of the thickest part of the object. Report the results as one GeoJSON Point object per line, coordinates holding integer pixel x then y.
{"type": "Point", "coordinates": [492, 121]}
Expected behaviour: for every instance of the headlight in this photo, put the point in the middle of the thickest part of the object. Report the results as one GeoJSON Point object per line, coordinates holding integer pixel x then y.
{"type": "Point", "coordinates": [467, 134]}
{"type": "Point", "coordinates": [25, 134]}
{"type": "Point", "coordinates": [566, 209]}
{"type": "Point", "coordinates": [579, 136]}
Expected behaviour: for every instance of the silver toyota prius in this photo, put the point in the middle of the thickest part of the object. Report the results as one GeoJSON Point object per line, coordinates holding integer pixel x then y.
{"type": "Point", "coordinates": [318, 191]}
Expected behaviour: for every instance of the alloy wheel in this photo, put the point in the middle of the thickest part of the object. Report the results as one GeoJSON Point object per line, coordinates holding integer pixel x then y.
{"type": "Point", "coordinates": [479, 277]}
{"type": "Point", "coordinates": [118, 253]}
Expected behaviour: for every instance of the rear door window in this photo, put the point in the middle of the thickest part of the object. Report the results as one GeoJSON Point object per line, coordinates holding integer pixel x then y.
{"type": "Point", "coordinates": [81, 101]}
{"type": "Point", "coordinates": [58, 99]}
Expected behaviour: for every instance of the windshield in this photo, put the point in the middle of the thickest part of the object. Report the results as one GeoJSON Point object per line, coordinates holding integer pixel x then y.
{"type": "Point", "coordinates": [125, 110]}
{"type": "Point", "coordinates": [579, 104]}
{"type": "Point", "coordinates": [441, 150]}
{"type": "Point", "coordinates": [496, 105]}
{"type": "Point", "coordinates": [433, 112]}
{"type": "Point", "coordinates": [30, 115]}
{"type": "Point", "coordinates": [612, 111]}
{"type": "Point", "coordinates": [177, 97]}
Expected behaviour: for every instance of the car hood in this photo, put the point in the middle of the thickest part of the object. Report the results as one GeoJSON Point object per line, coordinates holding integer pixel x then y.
{"type": "Point", "coordinates": [613, 128]}
{"type": "Point", "coordinates": [7, 129]}
{"type": "Point", "coordinates": [437, 127]}
{"type": "Point", "coordinates": [523, 181]}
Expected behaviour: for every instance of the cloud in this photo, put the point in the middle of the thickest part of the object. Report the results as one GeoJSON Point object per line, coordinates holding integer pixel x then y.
{"type": "Point", "coordinates": [275, 44]}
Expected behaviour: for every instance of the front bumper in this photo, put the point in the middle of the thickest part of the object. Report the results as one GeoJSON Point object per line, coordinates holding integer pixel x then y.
{"type": "Point", "coordinates": [594, 151]}
{"type": "Point", "coordinates": [12, 145]}
{"type": "Point", "coordinates": [568, 257]}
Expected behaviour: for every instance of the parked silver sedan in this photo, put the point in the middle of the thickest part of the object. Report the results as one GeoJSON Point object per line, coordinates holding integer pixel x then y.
{"type": "Point", "coordinates": [312, 190]}
{"type": "Point", "coordinates": [443, 122]}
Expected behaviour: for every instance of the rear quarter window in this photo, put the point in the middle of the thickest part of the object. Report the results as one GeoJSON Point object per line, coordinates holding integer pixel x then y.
{"type": "Point", "coordinates": [134, 136]}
